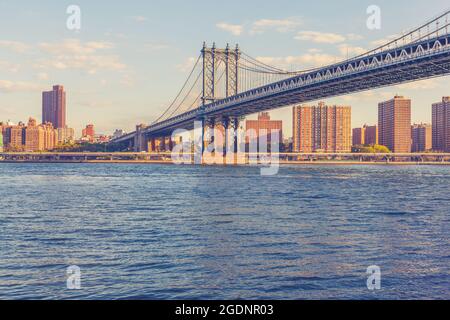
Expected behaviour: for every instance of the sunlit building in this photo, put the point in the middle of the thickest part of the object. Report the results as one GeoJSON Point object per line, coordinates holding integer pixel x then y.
{"type": "Point", "coordinates": [394, 122]}
{"type": "Point", "coordinates": [421, 138]}
{"type": "Point", "coordinates": [441, 125]}
{"type": "Point", "coordinates": [263, 128]}
{"type": "Point", "coordinates": [54, 107]}
{"type": "Point", "coordinates": [322, 128]}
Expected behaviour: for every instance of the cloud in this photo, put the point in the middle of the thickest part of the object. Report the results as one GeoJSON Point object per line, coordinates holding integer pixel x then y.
{"type": "Point", "coordinates": [279, 25]}
{"type": "Point", "coordinates": [15, 46]}
{"type": "Point", "coordinates": [139, 19]}
{"type": "Point", "coordinates": [310, 60]}
{"type": "Point", "coordinates": [18, 86]}
{"type": "Point", "coordinates": [351, 51]}
{"type": "Point", "coordinates": [8, 66]}
{"type": "Point", "coordinates": [75, 46]}
{"type": "Point", "coordinates": [187, 65]}
{"type": "Point", "coordinates": [320, 37]}
{"type": "Point", "coordinates": [381, 42]}
{"type": "Point", "coordinates": [234, 29]}
{"type": "Point", "coordinates": [261, 26]}
{"type": "Point", "coordinates": [74, 54]}
{"type": "Point", "coordinates": [354, 37]}
{"type": "Point", "coordinates": [156, 46]}
{"type": "Point", "coordinates": [42, 76]}
{"type": "Point", "coordinates": [421, 85]}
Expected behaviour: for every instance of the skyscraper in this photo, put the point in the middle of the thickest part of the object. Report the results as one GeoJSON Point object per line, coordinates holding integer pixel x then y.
{"type": "Point", "coordinates": [371, 136]}
{"type": "Point", "coordinates": [367, 135]}
{"type": "Point", "coordinates": [421, 137]}
{"type": "Point", "coordinates": [359, 136]}
{"type": "Point", "coordinates": [54, 107]}
{"type": "Point", "coordinates": [394, 122]}
{"type": "Point", "coordinates": [322, 128]}
{"type": "Point", "coordinates": [441, 125]}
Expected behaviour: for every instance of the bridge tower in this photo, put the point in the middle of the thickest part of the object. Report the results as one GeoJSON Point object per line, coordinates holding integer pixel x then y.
{"type": "Point", "coordinates": [219, 59]}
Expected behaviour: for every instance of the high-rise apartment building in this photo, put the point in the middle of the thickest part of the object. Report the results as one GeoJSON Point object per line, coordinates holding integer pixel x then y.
{"type": "Point", "coordinates": [421, 137]}
{"type": "Point", "coordinates": [359, 136]}
{"type": "Point", "coordinates": [302, 129]}
{"type": "Point", "coordinates": [322, 128]}
{"type": "Point", "coordinates": [65, 135]}
{"type": "Point", "coordinates": [54, 107]}
{"type": "Point", "coordinates": [367, 135]}
{"type": "Point", "coordinates": [441, 125]}
{"type": "Point", "coordinates": [264, 126]}
{"type": "Point", "coordinates": [394, 122]}
{"type": "Point", "coordinates": [39, 137]}
{"type": "Point", "coordinates": [13, 139]}
{"type": "Point", "coordinates": [371, 135]}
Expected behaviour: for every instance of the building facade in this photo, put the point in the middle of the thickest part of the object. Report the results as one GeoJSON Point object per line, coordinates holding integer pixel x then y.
{"type": "Point", "coordinates": [88, 133]}
{"type": "Point", "coordinates": [421, 138]}
{"type": "Point", "coordinates": [371, 135]}
{"type": "Point", "coordinates": [263, 128]}
{"type": "Point", "coordinates": [54, 107]}
{"type": "Point", "coordinates": [394, 122]}
{"type": "Point", "coordinates": [65, 135]}
{"type": "Point", "coordinates": [322, 128]}
{"type": "Point", "coordinates": [39, 137]}
{"type": "Point", "coordinates": [441, 125]}
{"type": "Point", "coordinates": [367, 135]}
{"type": "Point", "coordinates": [359, 136]}
{"type": "Point", "coordinates": [13, 139]}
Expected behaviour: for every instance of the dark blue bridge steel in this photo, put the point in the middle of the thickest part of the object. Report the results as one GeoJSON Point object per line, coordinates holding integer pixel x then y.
{"type": "Point", "coordinates": [421, 54]}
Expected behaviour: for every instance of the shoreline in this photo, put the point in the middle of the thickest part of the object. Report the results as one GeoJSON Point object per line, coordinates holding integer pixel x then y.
{"type": "Point", "coordinates": [281, 163]}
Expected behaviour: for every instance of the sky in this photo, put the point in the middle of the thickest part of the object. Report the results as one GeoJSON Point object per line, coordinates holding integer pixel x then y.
{"type": "Point", "coordinates": [130, 58]}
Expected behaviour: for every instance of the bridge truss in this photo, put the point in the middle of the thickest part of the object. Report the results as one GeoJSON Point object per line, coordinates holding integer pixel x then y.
{"type": "Point", "coordinates": [229, 84]}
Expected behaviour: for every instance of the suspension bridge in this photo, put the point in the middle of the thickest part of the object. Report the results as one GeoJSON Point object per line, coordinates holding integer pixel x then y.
{"type": "Point", "coordinates": [226, 85]}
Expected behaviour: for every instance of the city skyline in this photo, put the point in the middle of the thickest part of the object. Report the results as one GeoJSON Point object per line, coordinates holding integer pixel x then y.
{"type": "Point", "coordinates": [97, 63]}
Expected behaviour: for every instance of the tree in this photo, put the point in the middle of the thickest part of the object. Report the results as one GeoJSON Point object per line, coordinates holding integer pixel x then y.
{"type": "Point", "coordinates": [370, 149]}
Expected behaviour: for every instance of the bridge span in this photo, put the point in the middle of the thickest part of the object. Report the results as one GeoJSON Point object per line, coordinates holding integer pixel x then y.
{"type": "Point", "coordinates": [247, 86]}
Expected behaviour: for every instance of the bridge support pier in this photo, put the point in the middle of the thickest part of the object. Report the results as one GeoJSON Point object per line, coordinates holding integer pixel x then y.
{"type": "Point", "coordinates": [152, 145]}
{"type": "Point", "coordinates": [140, 139]}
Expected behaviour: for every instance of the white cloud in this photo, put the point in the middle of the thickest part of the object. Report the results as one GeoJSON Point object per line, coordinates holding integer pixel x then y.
{"type": "Point", "coordinates": [320, 37]}
{"type": "Point", "coordinates": [8, 66]}
{"type": "Point", "coordinates": [42, 76]}
{"type": "Point", "coordinates": [187, 65]}
{"type": "Point", "coordinates": [299, 62]}
{"type": "Point", "coordinates": [421, 85]}
{"type": "Point", "coordinates": [16, 86]}
{"type": "Point", "coordinates": [351, 51]}
{"type": "Point", "coordinates": [139, 19]}
{"type": "Point", "coordinates": [279, 25]}
{"type": "Point", "coordinates": [15, 46]}
{"type": "Point", "coordinates": [354, 37]}
{"type": "Point", "coordinates": [234, 29]}
{"type": "Point", "coordinates": [381, 42]}
{"type": "Point", "coordinates": [156, 46]}
{"type": "Point", "coordinates": [74, 54]}
{"type": "Point", "coordinates": [75, 46]}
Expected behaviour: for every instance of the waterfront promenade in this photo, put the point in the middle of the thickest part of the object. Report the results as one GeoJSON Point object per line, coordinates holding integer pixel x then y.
{"type": "Point", "coordinates": [237, 159]}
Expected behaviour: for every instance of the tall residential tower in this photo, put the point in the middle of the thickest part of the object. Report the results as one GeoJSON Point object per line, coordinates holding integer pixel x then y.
{"type": "Point", "coordinates": [322, 128]}
{"type": "Point", "coordinates": [394, 122]}
{"type": "Point", "coordinates": [54, 107]}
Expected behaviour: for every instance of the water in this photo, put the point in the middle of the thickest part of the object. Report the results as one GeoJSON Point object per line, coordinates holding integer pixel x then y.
{"type": "Point", "coordinates": [169, 232]}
